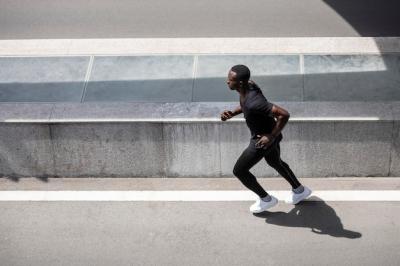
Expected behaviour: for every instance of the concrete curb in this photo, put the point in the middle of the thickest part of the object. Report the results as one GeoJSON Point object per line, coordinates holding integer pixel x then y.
{"type": "Point", "coordinates": [200, 112]}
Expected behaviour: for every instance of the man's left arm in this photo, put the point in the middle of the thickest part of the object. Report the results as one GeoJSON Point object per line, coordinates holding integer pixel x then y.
{"type": "Point", "coordinates": [282, 117]}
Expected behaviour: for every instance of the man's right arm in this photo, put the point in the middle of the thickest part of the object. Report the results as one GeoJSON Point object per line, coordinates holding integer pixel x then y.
{"type": "Point", "coordinates": [237, 111]}
{"type": "Point", "coordinates": [229, 114]}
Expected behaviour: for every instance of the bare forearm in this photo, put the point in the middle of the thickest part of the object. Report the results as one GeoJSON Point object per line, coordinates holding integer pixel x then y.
{"type": "Point", "coordinates": [280, 124]}
{"type": "Point", "coordinates": [238, 110]}
{"type": "Point", "coordinates": [225, 115]}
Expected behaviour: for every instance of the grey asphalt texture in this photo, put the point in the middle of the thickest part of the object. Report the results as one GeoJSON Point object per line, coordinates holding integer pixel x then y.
{"type": "Point", "coordinates": [198, 233]}
{"type": "Point", "coordinates": [54, 19]}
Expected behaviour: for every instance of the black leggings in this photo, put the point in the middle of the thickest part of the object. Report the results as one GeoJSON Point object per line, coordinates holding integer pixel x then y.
{"type": "Point", "coordinates": [251, 156]}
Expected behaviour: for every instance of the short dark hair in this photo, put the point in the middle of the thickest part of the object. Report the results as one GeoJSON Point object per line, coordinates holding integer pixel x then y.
{"type": "Point", "coordinates": [242, 72]}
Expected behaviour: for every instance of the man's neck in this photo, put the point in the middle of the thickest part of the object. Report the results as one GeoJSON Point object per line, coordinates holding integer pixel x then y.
{"type": "Point", "coordinates": [243, 90]}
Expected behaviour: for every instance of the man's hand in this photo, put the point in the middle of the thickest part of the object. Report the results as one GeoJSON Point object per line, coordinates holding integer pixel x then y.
{"type": "Point", "coordinates": [226, 115]}
{"type": "Point", "coordinates": [265, 141]}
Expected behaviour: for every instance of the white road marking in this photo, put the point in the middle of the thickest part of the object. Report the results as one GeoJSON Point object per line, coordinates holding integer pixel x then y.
{"type": "Point", "coordinates": [144, 46]}
{"type": "Point", "coordinates": [193, 195]}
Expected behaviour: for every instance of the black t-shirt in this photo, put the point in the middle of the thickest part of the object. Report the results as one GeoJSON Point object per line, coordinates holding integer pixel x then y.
{"type": "Point", "coordinates": [257, 111]}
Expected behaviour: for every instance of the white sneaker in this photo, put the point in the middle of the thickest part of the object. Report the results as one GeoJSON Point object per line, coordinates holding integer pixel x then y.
{"type": "Point", "coordinates": [295, 198]}
{"type": "Point", "coordinates": [260, 205]}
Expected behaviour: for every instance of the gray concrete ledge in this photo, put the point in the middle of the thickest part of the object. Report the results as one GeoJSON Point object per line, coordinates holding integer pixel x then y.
{"type": "Point", "coordinates": [188, 140]}
{"type": "Point", "coordinates": [188, 112]}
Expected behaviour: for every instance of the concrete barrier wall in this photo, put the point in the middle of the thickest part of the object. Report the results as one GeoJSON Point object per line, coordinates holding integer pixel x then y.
{"type": "Point", "coordinates": [395, 155]}
{"type": "Point", "coordinates": [336, 143]}
{"type": "Point", "coordinates": [26, 150]}
{"type": "Point", "coordinates": [198, 78]}
{"type": "Point", "coordinates": [194, 149]}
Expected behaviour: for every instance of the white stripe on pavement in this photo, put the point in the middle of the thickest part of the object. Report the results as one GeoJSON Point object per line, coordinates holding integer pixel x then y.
{"type": "Point", "coordinates": [193, 195]}
{"type": "Point", "coordinates": [134, 46]}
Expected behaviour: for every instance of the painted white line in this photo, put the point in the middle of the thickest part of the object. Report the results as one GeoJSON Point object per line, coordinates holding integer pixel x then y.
{"type": "Point", "coordinates": [134, 46]}
{"type": "Point", "coordinates": [168, 120]}
{"type": "Point", "coordinates": [190, 195]}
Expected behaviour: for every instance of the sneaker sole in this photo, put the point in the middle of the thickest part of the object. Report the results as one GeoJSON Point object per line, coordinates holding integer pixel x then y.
{"type": "Point", "coordinates": [308, 194]}
{"type": "Point", "coordinates": [266, 208]}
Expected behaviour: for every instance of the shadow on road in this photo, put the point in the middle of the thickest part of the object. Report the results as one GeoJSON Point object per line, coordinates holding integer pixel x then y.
{"type": "Point", "coordinates": [315, 214]}
{"type": "Point", "coordinates": [16, 178]}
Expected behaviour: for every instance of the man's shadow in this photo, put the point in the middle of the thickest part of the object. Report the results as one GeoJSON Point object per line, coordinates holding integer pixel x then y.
{"type": "Point", "coordinates": [315, 214]}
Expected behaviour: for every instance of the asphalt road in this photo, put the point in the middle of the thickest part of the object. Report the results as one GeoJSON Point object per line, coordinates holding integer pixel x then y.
{"type": "Point", "coordinates": [198, 233]}
{"type": "Point", "coordinates": [53, 19]}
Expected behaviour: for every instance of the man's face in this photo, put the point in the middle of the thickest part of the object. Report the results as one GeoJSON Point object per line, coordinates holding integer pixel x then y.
{"type": "Point", "coordinates": [233, 84]}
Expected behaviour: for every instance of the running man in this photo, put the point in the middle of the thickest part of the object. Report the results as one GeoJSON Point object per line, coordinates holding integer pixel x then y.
{"type": "Point", "coordinates": [266, 134]}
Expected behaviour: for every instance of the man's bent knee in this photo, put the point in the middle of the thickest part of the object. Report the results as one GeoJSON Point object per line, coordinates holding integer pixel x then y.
{"type": "Point", "coordinates": [238, 172]}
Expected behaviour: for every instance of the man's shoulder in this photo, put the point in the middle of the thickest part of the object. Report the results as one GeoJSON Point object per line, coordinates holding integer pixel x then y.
{"type": "Point", "coordinates": [256, 97]}
{"type": "Point", "coordinates": [258, 103]}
